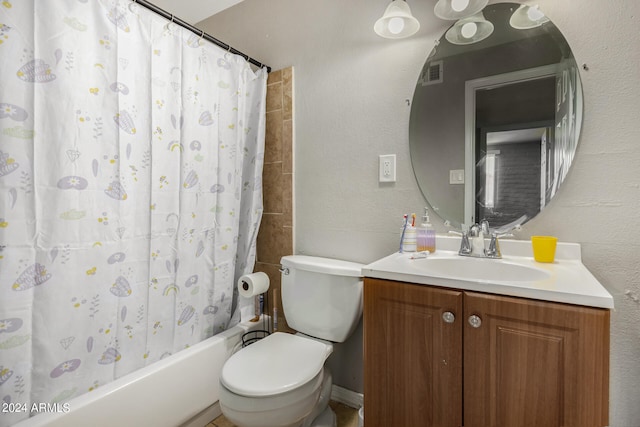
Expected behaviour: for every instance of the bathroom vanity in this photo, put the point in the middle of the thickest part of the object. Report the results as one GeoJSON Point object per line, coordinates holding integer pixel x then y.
{"type": "Point", "coordinates": [451, 341]}
{"type": "Point", "coordinates": [523, 344]}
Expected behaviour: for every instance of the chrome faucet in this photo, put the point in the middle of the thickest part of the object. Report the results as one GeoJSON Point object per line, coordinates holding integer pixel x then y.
{"type": "Point", "coordinates": [472, 243]}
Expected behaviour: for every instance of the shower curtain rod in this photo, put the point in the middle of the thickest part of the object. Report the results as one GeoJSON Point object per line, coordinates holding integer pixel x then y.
{"type": "Point", "coordinates": [170, 16]}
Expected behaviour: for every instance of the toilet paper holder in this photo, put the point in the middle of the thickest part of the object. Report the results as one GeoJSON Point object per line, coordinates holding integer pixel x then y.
{"type": "Point", "coordinates": [251, 337]}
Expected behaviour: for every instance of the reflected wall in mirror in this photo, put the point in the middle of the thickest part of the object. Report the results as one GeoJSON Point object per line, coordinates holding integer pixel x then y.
{"type": "Point", "coordinates": [495, 124]}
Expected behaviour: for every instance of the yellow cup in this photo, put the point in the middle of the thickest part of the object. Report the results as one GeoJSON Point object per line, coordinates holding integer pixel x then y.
{"type": "Point", "coordinates": [544, 248]}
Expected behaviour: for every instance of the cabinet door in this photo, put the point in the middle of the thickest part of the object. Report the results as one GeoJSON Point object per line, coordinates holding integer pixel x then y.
{"type": "Point", "coordinates": [534, 364]}
{"type": "Point", "coordinates": [412, 356]}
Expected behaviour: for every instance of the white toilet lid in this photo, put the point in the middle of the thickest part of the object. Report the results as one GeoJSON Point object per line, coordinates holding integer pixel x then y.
{"type": "Point", "coordinates": [276, 364]}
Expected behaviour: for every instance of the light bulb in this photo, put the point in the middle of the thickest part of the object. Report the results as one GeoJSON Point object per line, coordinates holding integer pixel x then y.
{"type": "Point", "coordinates": [459, 5]}
{"type": "Point", "coordinates": [534, 13]}
{"type": "Point", "coordinates": [469, 30]}
{"type": "Point", "coordinates": [396, 25]}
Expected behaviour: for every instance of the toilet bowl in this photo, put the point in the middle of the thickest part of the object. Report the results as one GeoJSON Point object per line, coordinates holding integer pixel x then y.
{"type": "Point", "coordinates": [281, 380]}
{"type": "Point", "coordinates": [276, 382]}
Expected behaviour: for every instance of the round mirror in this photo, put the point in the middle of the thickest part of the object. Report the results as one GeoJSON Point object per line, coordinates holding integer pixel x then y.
{"type": "Point", "coordinates": [496, 117]}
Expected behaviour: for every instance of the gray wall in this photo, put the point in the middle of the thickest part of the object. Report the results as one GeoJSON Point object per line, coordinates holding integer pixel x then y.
{"type": "Point", "coordinates": [350, 104]}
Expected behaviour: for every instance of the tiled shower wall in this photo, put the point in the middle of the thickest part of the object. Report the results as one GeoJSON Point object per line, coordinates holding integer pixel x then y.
{"type": "Point", "coordinates": [275, 238]}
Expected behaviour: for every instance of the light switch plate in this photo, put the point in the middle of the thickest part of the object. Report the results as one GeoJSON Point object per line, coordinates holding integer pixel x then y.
{"type": "Point", "coordinates": [387, 168]}
{"type": "Point", "coordinates": [456, 176]}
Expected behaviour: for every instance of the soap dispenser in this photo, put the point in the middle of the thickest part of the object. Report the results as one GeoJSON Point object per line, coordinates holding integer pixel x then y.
{"type": "Point", "coordinates": [426, 234]}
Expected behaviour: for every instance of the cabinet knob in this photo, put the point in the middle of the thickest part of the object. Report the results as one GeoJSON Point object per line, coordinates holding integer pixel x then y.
{"type": "Point", "coordinates": [475, 321]}
{"type": "Point", "coordinates": [448, 317]}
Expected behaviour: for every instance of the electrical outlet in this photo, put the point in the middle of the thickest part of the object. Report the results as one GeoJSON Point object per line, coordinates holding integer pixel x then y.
{"type": "Point", "coordinates": [387, 168]}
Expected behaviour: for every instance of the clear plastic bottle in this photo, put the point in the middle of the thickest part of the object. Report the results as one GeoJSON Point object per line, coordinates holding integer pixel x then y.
{"type": "Point", "coordinates": [426, 235]}
{"type": "Point", "coordinates": [408, 235]}
{"type": "Point", "coordinates": [409, 243]}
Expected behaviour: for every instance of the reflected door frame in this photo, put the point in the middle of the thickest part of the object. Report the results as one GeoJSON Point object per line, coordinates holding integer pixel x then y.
{"type": "Point", "coordinates": [471, 86]}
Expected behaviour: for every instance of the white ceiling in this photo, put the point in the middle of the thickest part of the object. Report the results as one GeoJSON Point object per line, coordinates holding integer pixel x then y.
{"type": "Point", "coordinates": [194, 11]}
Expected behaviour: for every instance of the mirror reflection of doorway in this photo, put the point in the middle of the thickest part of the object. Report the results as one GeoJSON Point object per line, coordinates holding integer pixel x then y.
{"type": "Point", "coordinates": [511, 174]}
{"type": "Point", "coordinates": [514, 131]}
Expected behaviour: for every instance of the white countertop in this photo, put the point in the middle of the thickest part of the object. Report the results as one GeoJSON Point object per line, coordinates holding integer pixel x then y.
{"type": "Point", "coordinates": [568, 280]}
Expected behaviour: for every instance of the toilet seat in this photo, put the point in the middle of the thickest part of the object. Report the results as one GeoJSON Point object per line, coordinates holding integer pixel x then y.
{"type": "Point", "coordinates": [284, 409]}
{"type": "Point", "coordinates": [274, 365]}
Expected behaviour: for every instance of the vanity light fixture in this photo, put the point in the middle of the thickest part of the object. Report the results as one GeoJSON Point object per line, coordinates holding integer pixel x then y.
{"type": "Point", "coordinates": [397, 21]}
{"type": "Point", "coordinates": [469, 30]}
{"type": "Point", "coordinates": [452, 10]}
{"type": "Point", "coordinates": [527, 17]}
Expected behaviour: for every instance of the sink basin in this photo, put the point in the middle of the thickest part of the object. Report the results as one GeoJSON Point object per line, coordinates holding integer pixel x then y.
{"type": "Point", "coordinates": [481, 269]}
{"type": "Point", "coordinates": [566, 280]}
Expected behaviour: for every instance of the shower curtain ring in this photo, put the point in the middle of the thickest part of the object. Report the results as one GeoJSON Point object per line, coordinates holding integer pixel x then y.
{"type": "Point", "coordinates": [169, 27]}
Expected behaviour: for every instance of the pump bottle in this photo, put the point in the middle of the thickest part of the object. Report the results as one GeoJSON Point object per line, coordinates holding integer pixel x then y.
{"type": "Point", "coordinates": [426, 234]}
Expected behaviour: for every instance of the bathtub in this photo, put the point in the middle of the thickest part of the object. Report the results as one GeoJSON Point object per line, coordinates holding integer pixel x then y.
{"type": "Point", "coordinates": [180, 390]}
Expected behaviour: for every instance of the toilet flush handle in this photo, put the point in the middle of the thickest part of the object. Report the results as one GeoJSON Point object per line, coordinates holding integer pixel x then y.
{"type": "Point", "coordinates": [284, 270]}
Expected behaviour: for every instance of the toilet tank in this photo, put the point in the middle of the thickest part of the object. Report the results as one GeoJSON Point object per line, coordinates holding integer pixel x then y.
{"type": "Point", "coordinates": [321, 297]}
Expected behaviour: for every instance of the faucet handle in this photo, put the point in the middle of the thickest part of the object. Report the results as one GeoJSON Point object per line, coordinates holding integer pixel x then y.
{"type": "Point", "coordinates": [465, 245]}
{"type": "Point", "coordinates": [484, 227]}
{"type": "Point", "coordinates": [475, 230]}
{"type": "Point", "coordinates": [493, 251]}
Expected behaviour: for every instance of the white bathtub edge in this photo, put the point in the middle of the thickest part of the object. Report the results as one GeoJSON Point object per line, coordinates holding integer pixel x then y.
{"type": "Point", "coordinates": [166, 393]}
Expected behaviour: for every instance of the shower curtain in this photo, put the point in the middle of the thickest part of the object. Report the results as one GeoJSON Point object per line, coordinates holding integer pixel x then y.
{"type": "Point", "coordinates": [131, 156]}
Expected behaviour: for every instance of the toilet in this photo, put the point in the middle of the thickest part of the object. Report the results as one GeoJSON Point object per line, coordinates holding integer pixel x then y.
{"type": "Point", "coordinates": [281, 380]}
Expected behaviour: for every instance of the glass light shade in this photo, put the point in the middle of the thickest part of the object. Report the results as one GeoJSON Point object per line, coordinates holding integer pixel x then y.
{"type": "Point", "coordinates": [397, 21]}
{"type": "Point", "coordinates": [396, 25]}
{"type": "Point", "coordinates": [453, 10]}
{"type": "Point", "coordinates": [469, 30]}
{"type": "Point", "coordinates": [527, 17]}
{"type": "Point", "coordinates": [459, 5]}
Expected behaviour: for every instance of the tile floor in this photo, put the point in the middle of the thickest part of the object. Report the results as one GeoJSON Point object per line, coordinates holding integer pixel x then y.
{"type": "Point", "coordinates": [347, 417]}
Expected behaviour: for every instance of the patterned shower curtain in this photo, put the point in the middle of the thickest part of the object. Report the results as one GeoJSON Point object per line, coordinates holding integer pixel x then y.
{"type": "Point", "coordinates": [131, 159]}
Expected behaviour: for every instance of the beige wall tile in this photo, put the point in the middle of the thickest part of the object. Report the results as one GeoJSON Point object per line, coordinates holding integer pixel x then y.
{"type": "Point", "coordinates": [273, 137]}
{"type": "Point", "coordinates": [286, 239]}
{"type": "Point", "coordinates": [271, 270]}
{"type": "Point", "coordinates": [287, 146]}
{"type": "Point", "coordinates": [287, 92]}
{"type": "Point", "coordinates": [270, 239]}
{"type": "Point", "coordinates": [274, 97]}
{"type": "Point", "coordinates": [274, 77]}
{"type": "Point", "coordinates": [272, 188]}
{"type": "Point", "coordinates": [275, 238]}
{"type": "Point", "coordinates": [287, 199]}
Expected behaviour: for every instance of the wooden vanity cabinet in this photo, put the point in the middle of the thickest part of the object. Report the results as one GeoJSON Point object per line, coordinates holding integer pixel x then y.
{"type": "Point", "coordinates": [501, 362]}
{"type": "Point", "coordinates": [412, 358]}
